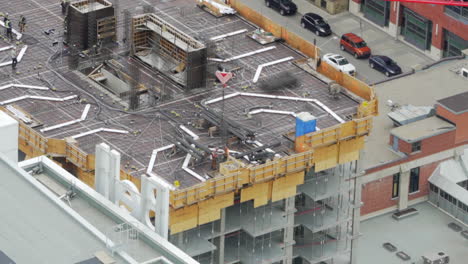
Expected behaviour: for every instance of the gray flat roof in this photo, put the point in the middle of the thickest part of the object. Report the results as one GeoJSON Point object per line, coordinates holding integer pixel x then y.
{"type": "Point", "coordinates": [457, 103]}
{"type": "Point", "coordinates": [418, 235]}
{"type": "Point", "coordinates": [423, 88]}
{"type": "Point", "coordinates": [422, 129]}
{"type": "Point", "coordinates": [35, 230]}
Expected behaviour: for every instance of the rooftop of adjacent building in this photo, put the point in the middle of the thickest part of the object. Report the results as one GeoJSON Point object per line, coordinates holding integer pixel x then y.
{"type": "Point", "coordinates": [426, 233]}
{"type": "Point", "coordinates": [451, 176]}
{"type": "Point", "coordinates": [31, 222]}
{"type": "Point", "coordinates": [35, 219]}
{"type": "Point", "coordinates": [423, 88]}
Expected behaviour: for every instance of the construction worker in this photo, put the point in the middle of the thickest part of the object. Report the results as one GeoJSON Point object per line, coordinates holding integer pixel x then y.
{"type": "Point", "coordinates": [14, 55]}
{"type": "Point", "coordinates": [9, 29]}
{"type": "Point", "coordinates": [65, 4]}
{"type": "Point", "coordinates": [5, 17]}
{"type": "Point", "coordinates": [22, 24]}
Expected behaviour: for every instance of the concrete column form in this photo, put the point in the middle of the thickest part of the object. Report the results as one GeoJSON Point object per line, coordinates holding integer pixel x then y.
{"type": "Point", "coordinates": [102, 169]}
{"type": "Point", "coordinates": [289, 205]}
{"type": "Point", "coordinates": [220, 241]}
{"type": "Point", "coordinates": [114, 173]}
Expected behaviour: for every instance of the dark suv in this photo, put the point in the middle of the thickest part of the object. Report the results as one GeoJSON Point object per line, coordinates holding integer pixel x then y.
{"type": "Point", "coordinates": [316, 24]}
{"type": "Point", "coordinates": [285, 7]}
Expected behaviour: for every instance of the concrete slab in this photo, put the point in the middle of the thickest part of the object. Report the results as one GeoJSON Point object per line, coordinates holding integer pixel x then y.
{"type": "Point", "coordinates": [417, 235]}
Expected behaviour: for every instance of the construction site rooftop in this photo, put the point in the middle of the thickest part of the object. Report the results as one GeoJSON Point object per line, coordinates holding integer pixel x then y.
{"type": "Point", "coordinates": [64, 104]}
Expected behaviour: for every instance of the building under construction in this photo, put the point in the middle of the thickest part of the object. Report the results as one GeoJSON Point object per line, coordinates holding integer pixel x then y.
{"type": "Point", "coordinates": [253, 173]}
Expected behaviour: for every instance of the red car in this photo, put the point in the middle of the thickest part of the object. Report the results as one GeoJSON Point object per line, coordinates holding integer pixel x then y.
{"type": "Point", "coordinates": [355, 45]}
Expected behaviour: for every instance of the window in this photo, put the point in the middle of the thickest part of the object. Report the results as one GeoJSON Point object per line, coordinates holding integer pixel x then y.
{"type": "Point", "coordinates": [458, 12]}
{"type": "Point", "coordinates": [396, 185]}
{"type": "Point", "coordinates": [414, 180]}
{"type": "Point", "coordinates": [453, 44]}
{"type": "Point", "coordinates": [416, 146]}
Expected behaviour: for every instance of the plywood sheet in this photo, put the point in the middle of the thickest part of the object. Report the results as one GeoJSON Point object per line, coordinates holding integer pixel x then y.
{"type": "Point", "coordinates": [326, 157]}
{"type": "Point", "coordinates": [286, 187]}
{"type": "Point", "coordinates": [349, 149]}
{"type": "Point", "coordinates": [259, 192]}
{"type": "Point", "coordinates": [210, 209]}
{"type": "Point", "coordinates": [183, 219]}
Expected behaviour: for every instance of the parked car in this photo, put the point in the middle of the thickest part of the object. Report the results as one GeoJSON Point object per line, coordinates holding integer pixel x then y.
{"type": "Point", "coordinates": [285, 7]}
{"type": "Point", "coordinates": [384, 64]}
{"type": "Point", "coordinates": [316, 24]}
{"type": "Point", "coordinates": [355, 45]}
{"type": "Point", "coordinates": [340, 63]}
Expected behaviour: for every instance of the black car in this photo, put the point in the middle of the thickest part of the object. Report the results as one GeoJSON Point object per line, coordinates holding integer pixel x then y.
{"type": "Point", "coordinates": [285, 7]}
{"type": "Point", "coordinates": [384, 64]}
{"type": "Point", "coordinates": [316, 24]}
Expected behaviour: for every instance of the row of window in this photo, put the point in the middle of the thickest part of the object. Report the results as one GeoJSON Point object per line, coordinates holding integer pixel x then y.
{"type": "Point", "coordinates": [417, 29]}
{"type": "Point", "coordinates": [459, 12]}
{"type": "Point", "coordinates": [413, 184]}
{"type": "Point", "coordinates": [448, 197]}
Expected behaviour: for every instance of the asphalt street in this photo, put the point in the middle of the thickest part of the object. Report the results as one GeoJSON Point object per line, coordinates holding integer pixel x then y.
{"type": "Point", "coordinates": [380, 42]}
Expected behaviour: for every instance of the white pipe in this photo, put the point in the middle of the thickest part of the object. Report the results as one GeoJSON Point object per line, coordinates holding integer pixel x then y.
{"type": "Point", "coordinates": [23, 86]}
{"type": "Point", "coordinates": [216, 59]}
{"type": "Point", "coordinates": [250, 53]}
{"type": "Point", "coordinates": [337, 117]}
{"type": "Point", "coordinates": [243, 55]}
{"type": "Point", "coordinates": [260, 67]}
{"type": "Point", "coordinates": [258, 111]}
{"type": "Point", "coordinates": [6, 48]}
{"type": "Point", "coordinates": [22, 52]}
{"type": "Point", "coordinates": [18, 35]}
{"type": "Point", "coordinates": [83, 117]}
{"type": "Point", "coordinates": [102, 129]}
{"type": "Point", "coordinates": [153, 157]}
{"type": "Point", "coordinates": [19, 58]}
{"type": "Point", "coordinates": [38, 98]}
{"type": "Point", "coordinates": [221, 98]}
{"type": "Point", "coordinates": [229, 34]}
{"type": "Point", "coordinates": [189, 171]}
{"type": "Point", "coordinates": [69, 123]}
{"type": "Point", "coordinates": [297, 99]}
{"type": "Point", "coordinates": [189, 132]}
{"type": "Point", "coordinates": [85, 112]}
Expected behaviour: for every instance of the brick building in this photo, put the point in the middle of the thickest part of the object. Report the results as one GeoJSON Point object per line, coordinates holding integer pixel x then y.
{"type": "Point", "coordinates": [437, 30]}
{"type": "Point", "coordinates": [398, 160]}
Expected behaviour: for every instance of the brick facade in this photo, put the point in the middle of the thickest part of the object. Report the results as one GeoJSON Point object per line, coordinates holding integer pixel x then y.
{"type": "Point", "coordinates": [377, 195]}
{"type": "Point", "coordinates": [459, 120]}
